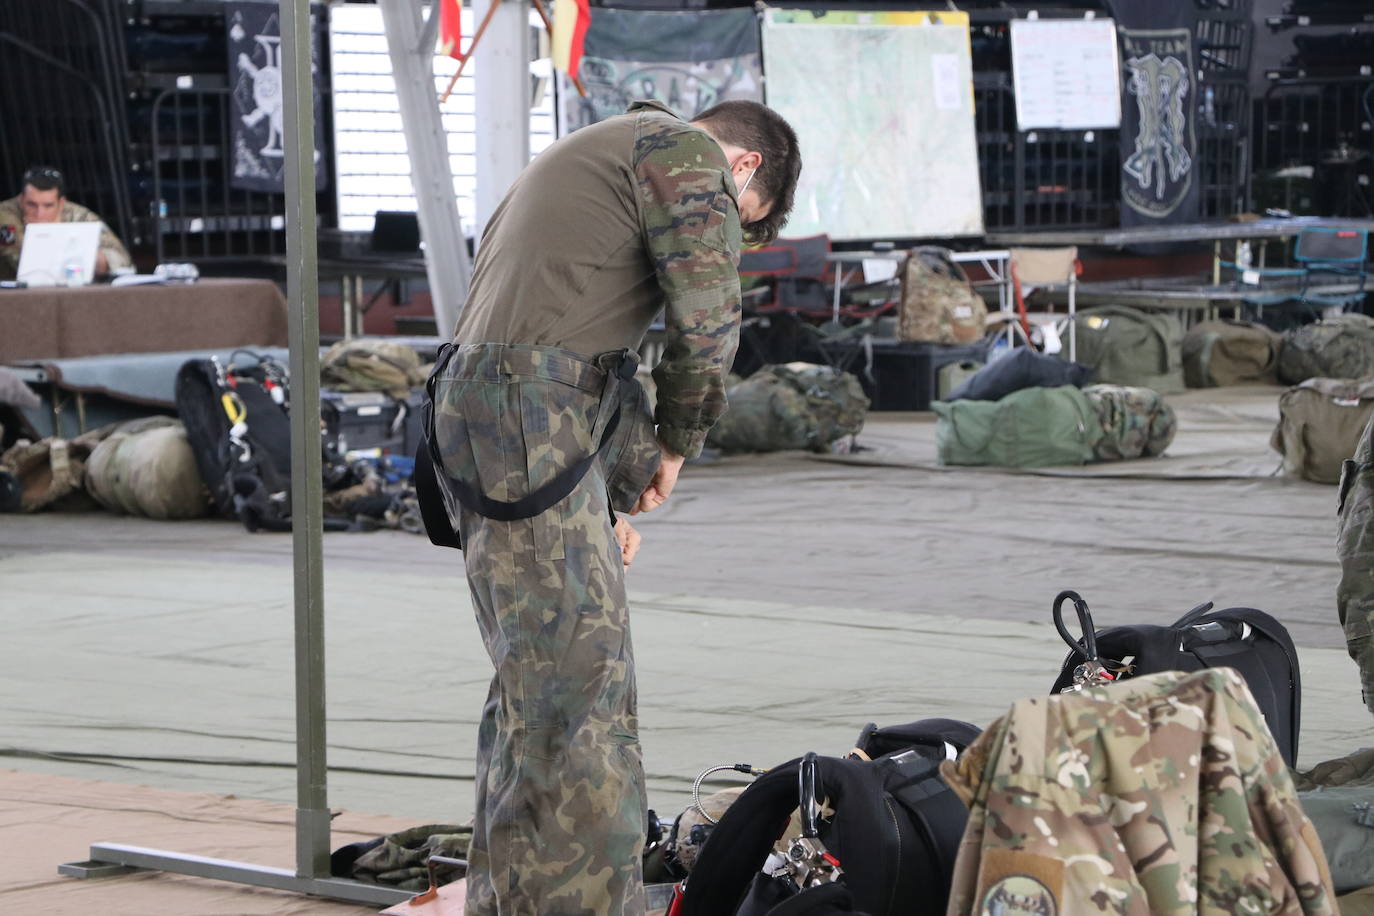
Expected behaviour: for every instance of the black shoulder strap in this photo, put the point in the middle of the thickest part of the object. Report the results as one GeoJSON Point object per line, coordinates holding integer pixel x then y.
{"type": "Point", "coordinates": [429, 464]}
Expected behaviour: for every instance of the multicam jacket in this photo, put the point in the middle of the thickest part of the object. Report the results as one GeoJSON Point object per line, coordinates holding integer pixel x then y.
{"type": "Point", "coordinates": [12, 236]}
{"type": "Point", "coordinates": [1163, 794]}
{"type": "Point", "coordinates": [602, 229]}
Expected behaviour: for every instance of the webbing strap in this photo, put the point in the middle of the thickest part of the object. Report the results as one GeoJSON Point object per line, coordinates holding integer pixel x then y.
{"type": "Point", "coordinates": [429, 464]}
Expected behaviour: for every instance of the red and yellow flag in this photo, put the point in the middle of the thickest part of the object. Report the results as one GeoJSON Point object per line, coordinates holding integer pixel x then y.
{"type": "Point", "coordinates": [570, 21]}
{"type": "Point", "coordinates": [451, 28]}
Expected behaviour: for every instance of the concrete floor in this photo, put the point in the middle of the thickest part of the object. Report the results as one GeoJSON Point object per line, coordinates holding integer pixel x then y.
{"type": "Point", "coordinates": [779, 604]}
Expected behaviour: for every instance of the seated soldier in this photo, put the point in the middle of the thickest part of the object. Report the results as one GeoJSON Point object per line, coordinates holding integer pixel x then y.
{"type": "Point", "coordinates": [43, 200]}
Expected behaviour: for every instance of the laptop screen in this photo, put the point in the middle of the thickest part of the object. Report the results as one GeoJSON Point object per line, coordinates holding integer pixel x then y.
{"type": "Point", "coordinates": [59, 254]}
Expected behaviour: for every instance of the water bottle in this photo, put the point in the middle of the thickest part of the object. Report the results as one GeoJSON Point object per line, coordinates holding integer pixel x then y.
{"type": "Point", "coordinates": [73, 275]}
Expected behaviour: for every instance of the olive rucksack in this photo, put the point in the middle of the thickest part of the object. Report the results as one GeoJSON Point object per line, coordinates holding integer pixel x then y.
{"type": "Point", "coordinates": [939, 304]}
{"type": "Point", "coordinates": [1127, 346]}
{"type": "Point", "coordinates": [1319, 426]}
{"type": "Point", "coordinates": [1341, 346]}
{"type": "Point", "coordinates": [1229, 352]}
{"type": "Point", "coordinates": [790, 406]}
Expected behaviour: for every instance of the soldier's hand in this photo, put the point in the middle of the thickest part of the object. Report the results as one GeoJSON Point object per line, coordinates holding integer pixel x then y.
{"type": "Point", "coordinates": [664, 479]}
{"type": "Point", "coordinates": [628, 539]}
{"type": "Point", "coordinates": [102, 264]}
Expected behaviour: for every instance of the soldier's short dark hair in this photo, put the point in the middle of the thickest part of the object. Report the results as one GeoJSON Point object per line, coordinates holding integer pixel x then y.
{"type": "Point", "coordinates": [756, 127]}
{"type": "Point", "coordinates": [45, 178]}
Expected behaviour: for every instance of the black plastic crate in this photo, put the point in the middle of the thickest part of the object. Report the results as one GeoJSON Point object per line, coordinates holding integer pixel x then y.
{"type": "Point", "coordinates": [365, 420]}
{"type": "Point", "coordinates": [899, 374]}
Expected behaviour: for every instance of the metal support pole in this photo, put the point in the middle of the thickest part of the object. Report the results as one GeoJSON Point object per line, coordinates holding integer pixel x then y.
{"type": "Point", "coordinates": [311, 875]}
{"type": "Point", "coordinates": [503, 102]}
{"type": "Point", "coordinates": [412, 66]}
{"type": "Point", "coordinates": [307, 483]}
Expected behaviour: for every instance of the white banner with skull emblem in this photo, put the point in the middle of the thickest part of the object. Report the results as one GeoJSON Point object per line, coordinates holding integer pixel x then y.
{"type": "Point", "coordinates": [256, 103]}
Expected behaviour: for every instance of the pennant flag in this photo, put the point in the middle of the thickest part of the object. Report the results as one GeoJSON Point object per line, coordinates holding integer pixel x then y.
{"type": "Point", "coordinates": [570, 21]}
{"type": "Point", "coordinates": [451, 28]}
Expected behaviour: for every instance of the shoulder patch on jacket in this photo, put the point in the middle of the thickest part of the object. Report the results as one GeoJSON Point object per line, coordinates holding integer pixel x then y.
{"type": "Point", "coordinates": [1014, 882]}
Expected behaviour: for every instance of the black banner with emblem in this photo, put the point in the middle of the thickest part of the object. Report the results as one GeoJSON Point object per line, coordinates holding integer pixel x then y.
{"type": "Point", "coordinates": [1159, 151]}
{"type": "Point", "coordinates": [257, 137]}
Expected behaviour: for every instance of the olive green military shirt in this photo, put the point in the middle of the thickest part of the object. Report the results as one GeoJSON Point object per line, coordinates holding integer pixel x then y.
{"type": "Point", "coordinates": [12, 235]}
{"type": "Point", "coordinates": [603, 228]}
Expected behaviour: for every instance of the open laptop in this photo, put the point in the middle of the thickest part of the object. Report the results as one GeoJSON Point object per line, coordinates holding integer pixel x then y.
{"type": "Point", "coordinates": [59, 254]}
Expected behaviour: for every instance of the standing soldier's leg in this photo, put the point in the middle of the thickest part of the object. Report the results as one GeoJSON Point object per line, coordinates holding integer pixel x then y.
{"type": "Point", "coordinates": [1355, 548]}
{"type": "Point", "coordinates": [561, 829]}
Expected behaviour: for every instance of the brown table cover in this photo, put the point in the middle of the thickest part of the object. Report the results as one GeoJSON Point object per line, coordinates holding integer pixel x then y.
{"type": "Point", "coordinates": [60, 322]}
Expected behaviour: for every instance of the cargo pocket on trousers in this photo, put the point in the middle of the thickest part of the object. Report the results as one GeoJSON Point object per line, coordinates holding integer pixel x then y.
{"type": "Point", "coordinates": [556, 420]}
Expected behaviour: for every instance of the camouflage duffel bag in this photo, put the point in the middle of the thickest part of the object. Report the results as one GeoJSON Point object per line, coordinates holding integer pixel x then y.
{"type": "Point", "coordinates": [1219, 353]}
{"type": "Point", "coordinates": [1334, 348]}
{"type": "Point", "coordinates": [792, 406]}
{"type": "Point", "coordinates": [1320, 422]}
{"type": "Point", "coordinates": [1136, 422]}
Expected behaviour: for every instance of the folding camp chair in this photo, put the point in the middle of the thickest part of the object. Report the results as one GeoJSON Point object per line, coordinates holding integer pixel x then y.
{"type": "Point", "coordinates": [1332, 256]}
{"type": "Point", "coordinates": [797, 269]}
{"type": "Point", "coordinates": [1049, 268]}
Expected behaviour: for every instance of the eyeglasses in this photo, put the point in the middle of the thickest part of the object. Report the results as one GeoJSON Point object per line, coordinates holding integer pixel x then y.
{"type": "Point", "coordinates": [44, 175]}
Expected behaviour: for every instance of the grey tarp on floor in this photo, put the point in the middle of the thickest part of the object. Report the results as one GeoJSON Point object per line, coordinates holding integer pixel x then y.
{"type": "Point", "coordinates": [778, 605]}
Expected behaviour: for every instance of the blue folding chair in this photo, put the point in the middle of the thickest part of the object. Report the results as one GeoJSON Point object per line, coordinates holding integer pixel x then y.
{"type": "Point", "coordinates": [1333, 258]}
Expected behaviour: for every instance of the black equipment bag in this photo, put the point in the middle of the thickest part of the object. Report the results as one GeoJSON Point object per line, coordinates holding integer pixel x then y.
{"type": "Point", "coordinates": [1246, 639]}
{"type": "Point", "coordinates": [893, 839]}
{"type": "Point", "coordinates": [240, 433]}
{"type": "Point", "coordinates": [936, 739]}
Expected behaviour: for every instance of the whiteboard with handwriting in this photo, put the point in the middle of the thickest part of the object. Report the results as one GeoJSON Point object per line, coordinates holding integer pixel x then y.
{"type": "Point", "coordinates": [1066, 73]}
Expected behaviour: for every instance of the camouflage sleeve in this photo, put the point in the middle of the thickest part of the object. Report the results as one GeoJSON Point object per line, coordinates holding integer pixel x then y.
{"type": "Point", "coordinates": [116, 255]}
{"type": "Point", "coordinates": [692, 233]}
{"type": "Point", "coordinates": [11, 231]}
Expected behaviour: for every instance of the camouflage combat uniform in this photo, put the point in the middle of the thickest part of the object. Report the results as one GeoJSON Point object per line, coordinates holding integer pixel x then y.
{"type": "Point", "coordinates": [1355, 548]}
{"type": "Point", "coordinates": [12, 235]}
{"type": "Point", "coordinates": [1163, 794]}
{"type": "Point", "coordinates": [600, 230]}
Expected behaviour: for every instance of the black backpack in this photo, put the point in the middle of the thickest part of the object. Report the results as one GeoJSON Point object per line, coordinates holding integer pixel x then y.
{"type": "Point", "coordinates": [895, 833]}
{"type": "Point", "coordinates": [240, 433]}
{"type": "Point", "coordinates": [1248, 640]}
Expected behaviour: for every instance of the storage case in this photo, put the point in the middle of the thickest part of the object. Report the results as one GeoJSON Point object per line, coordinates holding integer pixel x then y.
{"type": "Point", "coordinates": [902, 375]}
{"type": "Point", "coordinates": [364, 420]}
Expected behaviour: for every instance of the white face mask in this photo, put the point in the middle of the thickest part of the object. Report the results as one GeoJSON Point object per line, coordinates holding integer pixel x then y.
{"type": "Point", "coordinates": [744, 187]}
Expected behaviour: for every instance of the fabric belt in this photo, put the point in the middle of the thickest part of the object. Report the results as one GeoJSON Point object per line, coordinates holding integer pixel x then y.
{"type": "Point", "coordinates": [614, 367]}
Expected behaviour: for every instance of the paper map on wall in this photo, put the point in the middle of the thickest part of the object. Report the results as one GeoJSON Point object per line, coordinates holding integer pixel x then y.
{"type": "Point", "coordinates": [885, 120]}
{"type": "Point", "coordinates": [1065, 73]}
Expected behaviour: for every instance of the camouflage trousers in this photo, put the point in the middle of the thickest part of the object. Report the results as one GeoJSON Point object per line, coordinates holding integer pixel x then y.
{"type": "Point", "coordinates": [1355, 549]}
{"type": "Point", "coordinates": [559, 822]}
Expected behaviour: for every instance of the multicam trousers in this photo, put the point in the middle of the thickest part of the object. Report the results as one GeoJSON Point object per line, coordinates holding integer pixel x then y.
{"type": "Point", "coordinates": [560, 816]}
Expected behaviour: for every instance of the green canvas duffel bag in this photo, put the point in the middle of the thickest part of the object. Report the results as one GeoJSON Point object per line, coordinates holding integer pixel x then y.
{"type": "Point", "coordinates": [1229, 352]}
{"type": "Point", "coordinates": [1341, 346]}
{"type": "Point", "coordinates": [1320, 422]}
{"type": "Point", "coordinates": [1127, 346]}
{"type": "Point", "coordinates": [1030, 428]}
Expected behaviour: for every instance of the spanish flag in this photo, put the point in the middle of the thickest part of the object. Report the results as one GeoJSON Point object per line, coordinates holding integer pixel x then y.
{"type": "Point", "coordinates": [451, 28]}
{"type": "Point", "coordinates": [570, 21]}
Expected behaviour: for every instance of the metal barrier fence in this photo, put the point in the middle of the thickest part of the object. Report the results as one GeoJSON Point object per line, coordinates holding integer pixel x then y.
{"type": "Point", "coordinates": [1319, 134]}
{"type": "Point", "coordinates": [198, 212]}
{"type": "Point", "coordinates": [1041, 179]}
{"type": "Point", "coordinates": [63, 75]}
